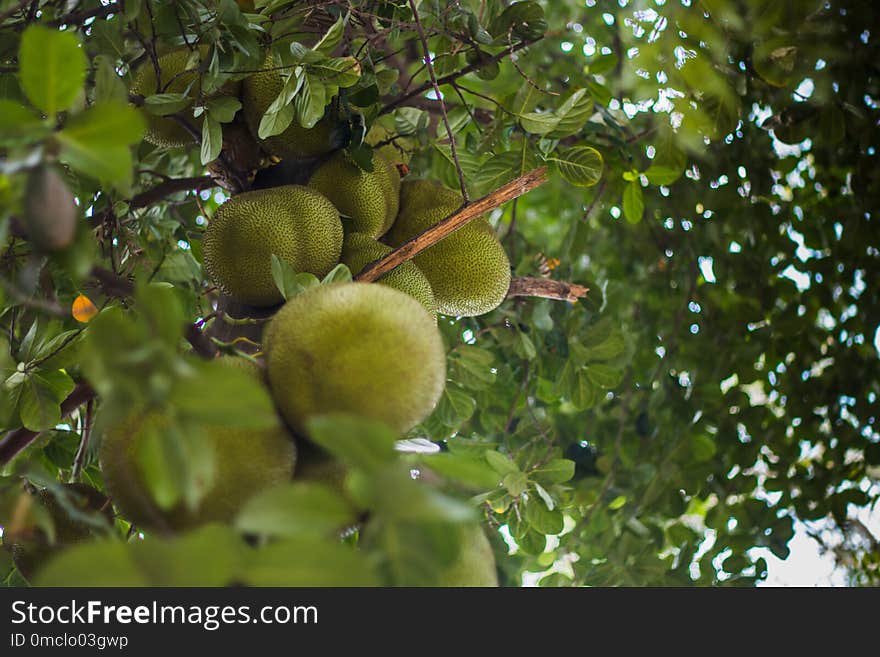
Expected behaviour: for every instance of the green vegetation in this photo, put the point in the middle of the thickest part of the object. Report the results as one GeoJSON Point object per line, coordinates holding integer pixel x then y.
{"type": "Point", "coordinates": [649, 358]}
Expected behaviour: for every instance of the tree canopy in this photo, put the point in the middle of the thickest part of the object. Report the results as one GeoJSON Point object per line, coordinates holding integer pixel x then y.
{"type": "Point", "coordinates": [686, 364]}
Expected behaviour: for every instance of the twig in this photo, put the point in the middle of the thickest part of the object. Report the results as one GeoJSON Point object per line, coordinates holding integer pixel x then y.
{"type": "Point", "coordinates": [200, 342]}
{"type": "Point", "coordinates": [546, 288]}
{"type": "Point", "coordinates": [80, 457]}
{"type": "Point", "coordinates": [446, 79]}
{"type": "Point", "coordinates": [450, 224]}
{"type": "Point", "coordinates": [437, 92]}
{"type": "Point", "coordinates": [80, 17]}
{"type": "Point", "coordinates": [171, 186]}
{"type": "Point", "coordinates": [17, 439]}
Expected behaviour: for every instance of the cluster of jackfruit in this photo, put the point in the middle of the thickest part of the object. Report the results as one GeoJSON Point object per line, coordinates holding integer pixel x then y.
{"type": "Point", "coordinates": [373, 350]}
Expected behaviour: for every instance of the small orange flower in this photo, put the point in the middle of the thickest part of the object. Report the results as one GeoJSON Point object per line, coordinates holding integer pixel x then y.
{"type": "Point", "coordinates": [83, 309]}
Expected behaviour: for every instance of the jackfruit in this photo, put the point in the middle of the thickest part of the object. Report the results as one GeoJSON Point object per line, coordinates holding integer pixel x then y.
{"type": "Point", "coordinates": [177, 78]}
{"type": "Point", "coordinates": [245, 461]}
{"type": "Point", "coordinates": [297, 224]}
{"type": "Point", "coordinates": [368, 200]}
{"type": "Point", "coordinates": [49, 210]}
{"type": "Point", "coordinates": [475, 565]}
{"type": "Point", "coordinates": [355, 348]}
{"type": "Point", "coordinates": [359, 250]}
{"type": "Point", "coordinates": [259, 91]}
{"type": "Point", "coordinates": [468, 270]}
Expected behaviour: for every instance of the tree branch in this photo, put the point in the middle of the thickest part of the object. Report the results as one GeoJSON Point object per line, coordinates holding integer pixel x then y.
{"type": "Point", "coordinates": [450, 224]}
{"type": "Point", "coordinates": [430, 66]}
{"type": "Point", "coordinates": [546, 288]}
{"type": "Point", "coordinates": [17, 439]}
{"type": "Point", "coordinates": [446, 79]}
{"type": "Point", "coordinates": [171, 186]}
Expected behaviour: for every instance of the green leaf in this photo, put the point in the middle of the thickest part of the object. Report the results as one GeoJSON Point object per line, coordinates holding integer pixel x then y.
{"type": "Point", "coordinates": [667, 166]}
{"type": "Point", "coordinates": [468, 470]}
{"type": "Point", "coordinates": [223, 108]}
{"type": "Point", "coordinates": [290, 282]}
{"type": "Point", "coordinates": [212, 139]}
{"type": "Point", "coordinates": [108, 163]}
{"type": "Point", "coordinates": [455, 407]}
{"type": "Point", "coordinates": [539, 123]}
{"type": "Point", "coordinates": [339, 274]}
{"type": "Point", "coordinates": [41, 395]}
{"type": "Point", "coordinates": [542, 519]}
{"type": "Point", "coordinates": [109, 87]}
{"type": "Point", "coordinates": [633, 203]}
{"type": "Point", "coordinates": [274, 123]}
{"type": "Point", "coordinates": [410, 120]}
{"type": "Point", "coordinates": [52, 68]}
{"type": "Point", "coordinates": [104, 125]}
{"type": "Point", "coordinates": [524, 19]}
{"type": "Point", "coordinates": [516, 483]}
{"type": "Point", "coordinates": [501, 463]}
{"type": "Point", "coordinates": [165, 104]}
{"type": "Point", "coordinates": [556, 471]}
{"type": "Point", "coordinates": [296, 509]}
{"type": "Point", "coordinates": [581, 165]}
{"type": "Point", "coordinates": [702, 447]}
{"type": "Point", "coordinates": [216, 394]}
{"type": "Point", "coordinates": [331, 39]}
{"type": "Point", "coordinates": [359, 442]}
{"type": "Point", "coordinates": [604, 376]}
{"type": "Point", "coordinates": [617, 502]}
{"type": "Point", "coordinates": [339, 71]}
{"type": "Point", "coordinates": [308, 561]}
{"type": "Point", "coordinates": [585, 394]}
{"type": "Point", "coordinates": [19, 125]}
{"type": "Point", "coordinates": [310, 101]}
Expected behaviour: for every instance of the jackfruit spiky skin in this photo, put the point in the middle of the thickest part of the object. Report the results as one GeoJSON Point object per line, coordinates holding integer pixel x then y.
{"type": "Point", "coordinates": [368, 200]}
{"type": "Point", "coordinates": [359, 250]}
{"type": "Point", "coordinates": [475, 565]}
{"type": "Point", "coordinates": [355, 348]}
{"type": "Point", "coordinates": [245, 460]}
{"type": "Point", "coordinates": [177, 78]}
{"type": "Point", "coordinates": [468, 270]}
{"type": "Point", "coordinates": [259, 91]}
{"type": "Point", "coordinates": [296, 223]}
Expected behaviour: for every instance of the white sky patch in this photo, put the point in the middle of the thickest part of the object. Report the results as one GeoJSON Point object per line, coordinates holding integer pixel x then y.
{"type": "Point", "coordinates": [706, 263]}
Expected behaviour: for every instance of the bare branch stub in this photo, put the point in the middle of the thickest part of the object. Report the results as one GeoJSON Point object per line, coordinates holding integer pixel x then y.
{"type": "Point", "coordinates": [411, 248]}
{"type": "Point", "coordinates": [546, 288]}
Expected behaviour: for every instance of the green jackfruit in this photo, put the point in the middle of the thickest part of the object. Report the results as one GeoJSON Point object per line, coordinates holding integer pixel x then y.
{"type": "Point", "coordinates": [297, 224]}
{"type": "Point", "coordinates": [368, 200]}
{"type": "Point", "coordinates": [359, 250]}
{"type": "Point", "coordinates": [245, 460]}
{"type": "Point", "coordinates": [475, 565]}
{"type": "Point", "coordinates": [358, 348]}
{"type": "Point", "coordinates": [259, 91]}
{"type": "Point", "coordinates": [177, 78]}
{"type": "Point", "coordinates": [469, 271]}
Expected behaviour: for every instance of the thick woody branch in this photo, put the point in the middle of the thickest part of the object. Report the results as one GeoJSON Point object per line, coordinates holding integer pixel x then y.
{"type": "Point", "coordinates": [171, 186]}
{"type": "Point", "coordinates": [16, 440]}
{"type": "Point", "coordinates": [450, 224]}
{"type": "Point", "coordinates": [546, 288]}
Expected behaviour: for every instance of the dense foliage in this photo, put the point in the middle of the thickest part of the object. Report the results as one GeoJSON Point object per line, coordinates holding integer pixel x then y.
{"type": "Point", "coordinates": [712, 179]}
